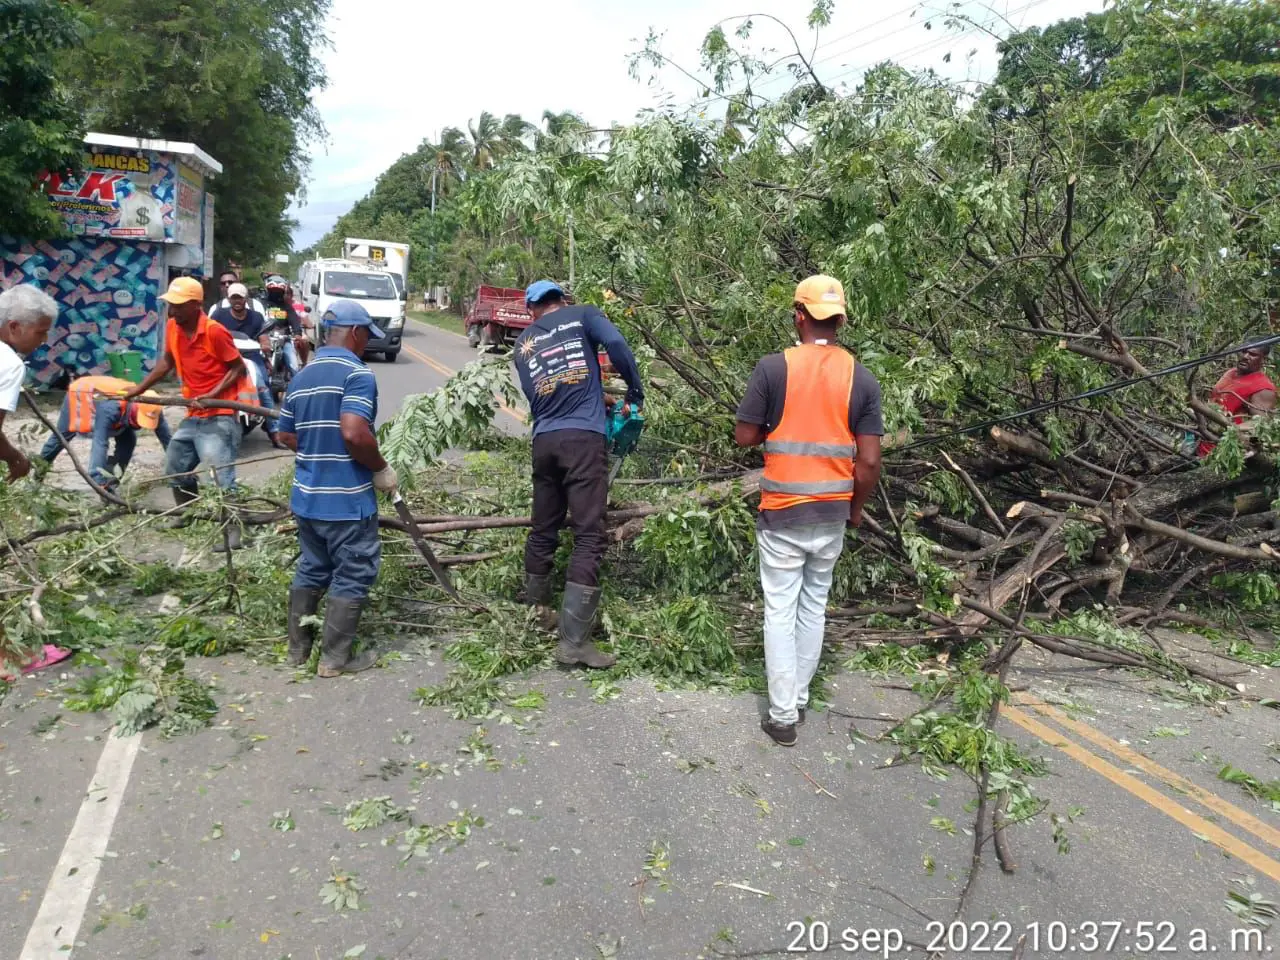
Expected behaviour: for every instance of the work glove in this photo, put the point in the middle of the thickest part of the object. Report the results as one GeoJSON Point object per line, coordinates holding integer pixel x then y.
{"type": "Point", "coordinates": [386, 480]}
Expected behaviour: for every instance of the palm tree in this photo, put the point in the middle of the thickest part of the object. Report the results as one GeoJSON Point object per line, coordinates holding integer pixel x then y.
{"type": "Point", "coordinates": [565, 132]}
{"type": "Point", "coordinates": [446, 162]}
{"type": "Point", "coordinates": [485, 141]}
{"type": "Point", "coordinates": [515, 133]}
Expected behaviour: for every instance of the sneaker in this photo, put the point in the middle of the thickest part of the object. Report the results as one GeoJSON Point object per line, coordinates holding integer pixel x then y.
{"type": "Point", "coordinates": [801, 720]}
{"type": "Point", "coordinates": [783, 734]}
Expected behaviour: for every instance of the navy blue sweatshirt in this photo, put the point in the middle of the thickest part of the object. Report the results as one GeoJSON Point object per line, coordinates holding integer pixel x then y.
{"type": "Point", "coordinates": [556, 358]}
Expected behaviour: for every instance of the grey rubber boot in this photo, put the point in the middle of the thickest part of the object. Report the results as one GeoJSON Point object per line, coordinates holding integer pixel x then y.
{"type": "Point", "coordinates": [537, 593]}
{"type": "Point", "coordinates": [303, 602]}
{"type": "Point", "coordinates": [341, 618]}
{"type": "Point", "coordinates": [577, 618]}
{"type": "Point", "coordinates": [182, 497]}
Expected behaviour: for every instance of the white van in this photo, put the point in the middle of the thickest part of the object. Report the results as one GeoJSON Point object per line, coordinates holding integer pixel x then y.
{"type": "Point", "coordinates": [324, 281]}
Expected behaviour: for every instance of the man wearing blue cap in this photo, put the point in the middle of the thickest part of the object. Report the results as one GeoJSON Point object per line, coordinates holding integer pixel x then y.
{"type": "Point", "coordinates": [327, 418]}
{"type": "Point", "coordinates": [557, 358]}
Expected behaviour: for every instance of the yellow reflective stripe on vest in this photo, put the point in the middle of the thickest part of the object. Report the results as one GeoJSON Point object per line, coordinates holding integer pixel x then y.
{"type": "Point", "coordinates": [801, 448]}
{"type": "Point", "coordinates": [805, 487]}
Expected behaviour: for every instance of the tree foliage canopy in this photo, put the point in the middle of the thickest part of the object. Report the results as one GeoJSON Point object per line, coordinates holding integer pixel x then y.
{"type": "Point", "coordinates": [233, 76]}
{"type": "Point", "coordinates": [39, 129]}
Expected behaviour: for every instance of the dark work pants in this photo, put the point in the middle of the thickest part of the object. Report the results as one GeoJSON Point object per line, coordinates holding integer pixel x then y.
{"type": "Point", "coordinates": [570, 473]}
{"type": "Point", "coordinates": [341, 556]}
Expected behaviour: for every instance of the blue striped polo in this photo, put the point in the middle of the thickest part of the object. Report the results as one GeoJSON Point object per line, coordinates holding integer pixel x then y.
{"type": "Point", "coordinates": [327, 483]}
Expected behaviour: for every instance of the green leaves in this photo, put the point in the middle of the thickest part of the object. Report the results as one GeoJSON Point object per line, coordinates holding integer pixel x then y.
{"type": "Point", "coordinates": [371, 812]}
{"type": "Point", "coordinates": [149, 688]}
{"type": "Point", "coordinates": [421, 840]}
{"type": "Point", "coordinates": [39, 129]}
{"type": "Point", "coordinates": [457, 415]}
{"type": "Point", "coordinates": [342, 891]}
{"type": "Point", "coordinates": [1265, 790]}
{"type": "Point", "coordinates": [233, 72]}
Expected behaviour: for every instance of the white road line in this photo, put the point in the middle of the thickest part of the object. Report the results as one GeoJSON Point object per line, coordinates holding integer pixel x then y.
{"type": "Point", "coordinates": [53, 934]}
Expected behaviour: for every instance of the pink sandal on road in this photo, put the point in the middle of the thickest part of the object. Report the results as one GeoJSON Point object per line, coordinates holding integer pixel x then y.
{"type": "Point", "coordinates": [48, 657]}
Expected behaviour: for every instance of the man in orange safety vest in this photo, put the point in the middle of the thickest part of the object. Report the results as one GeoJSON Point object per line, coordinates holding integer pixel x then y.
{"type": "Point", "coordinates": [86, 412]}
{"type": "Point", "coordinates": [817, 412]}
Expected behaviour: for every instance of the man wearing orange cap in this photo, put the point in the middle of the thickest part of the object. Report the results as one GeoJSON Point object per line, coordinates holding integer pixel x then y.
{"type": "Point", "coordinates": [204, 356]}
{"type": "Point", "coordinates": [817, 412]}
{"type": "Point", "coordinates": [85, 412]}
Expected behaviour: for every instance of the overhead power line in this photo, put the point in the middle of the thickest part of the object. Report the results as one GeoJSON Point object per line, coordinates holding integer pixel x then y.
{"type": "Point", "coordinates": [1087, 395]}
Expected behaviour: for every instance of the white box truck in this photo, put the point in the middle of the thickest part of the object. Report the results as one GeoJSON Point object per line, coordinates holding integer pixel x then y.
{"type": "Point", "coordinates": [381, 255]}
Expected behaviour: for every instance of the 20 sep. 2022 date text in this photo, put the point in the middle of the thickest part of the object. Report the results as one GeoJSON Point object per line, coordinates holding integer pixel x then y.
{"type": "Point", "coordinates": [1120, 937]}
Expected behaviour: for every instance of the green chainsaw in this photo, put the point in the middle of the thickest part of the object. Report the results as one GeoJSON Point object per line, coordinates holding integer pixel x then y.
{"type": "Point", "coordinates": [622, 433]}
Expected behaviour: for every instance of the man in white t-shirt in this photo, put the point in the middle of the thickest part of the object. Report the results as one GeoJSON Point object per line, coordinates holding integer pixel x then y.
{"type": "Point", "coordinates": [26, 315]}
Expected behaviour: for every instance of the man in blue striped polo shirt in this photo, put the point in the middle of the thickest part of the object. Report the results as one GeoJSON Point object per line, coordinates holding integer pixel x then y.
{"type": "Point", "coordinates": [327, 418]}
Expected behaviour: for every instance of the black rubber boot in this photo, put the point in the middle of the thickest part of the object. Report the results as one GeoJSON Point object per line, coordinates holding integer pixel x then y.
{"type": "Point", "coordinates": [182, 497]}
{"type": "Point", "coordinates": [577, 618]}
{"type": "Point", "coordinates": [341, 618]}
{"type": "Point", "coordinates": [537, 593]}
{"type": "Point", "coordinates": [303, 602]}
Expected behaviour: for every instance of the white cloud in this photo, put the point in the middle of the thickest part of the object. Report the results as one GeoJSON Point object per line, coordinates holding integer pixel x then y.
{"type": "Point", "coordinates": [402, 70]}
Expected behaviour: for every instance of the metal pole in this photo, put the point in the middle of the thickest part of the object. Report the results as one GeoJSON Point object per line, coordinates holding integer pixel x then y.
{"type": "Point", "coordinates": [571, 251]}
{"type": "Point", "coordinates": [434, 171]}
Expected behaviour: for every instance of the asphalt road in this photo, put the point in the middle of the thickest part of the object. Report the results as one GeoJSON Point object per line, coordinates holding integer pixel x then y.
{"type": "Point", "coordinates": [648, 823]}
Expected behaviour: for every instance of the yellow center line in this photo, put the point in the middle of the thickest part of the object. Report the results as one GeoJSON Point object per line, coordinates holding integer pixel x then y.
{"type": "Point", "coordinates": [1206, 798]}
{"type": "Point", "coordinates": [517, 415]}
{"type": "Point", "coordinates": [1214, 834]}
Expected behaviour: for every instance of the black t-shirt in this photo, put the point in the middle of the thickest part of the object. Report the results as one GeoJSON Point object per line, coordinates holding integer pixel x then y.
{"type": "Point", "coordinates": [282, 314]}
{"type": "Point", "coordinates": [762, 404]}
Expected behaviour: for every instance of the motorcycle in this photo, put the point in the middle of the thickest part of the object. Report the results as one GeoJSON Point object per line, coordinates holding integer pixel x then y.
{"type": "Point", "coordinates": [251, 350]}
{"type": "Point", "coordinates": [279, 366]}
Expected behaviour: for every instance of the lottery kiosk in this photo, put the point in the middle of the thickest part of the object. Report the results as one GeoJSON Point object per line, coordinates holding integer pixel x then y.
{"type": "Point", "coordinates": [138, 216]}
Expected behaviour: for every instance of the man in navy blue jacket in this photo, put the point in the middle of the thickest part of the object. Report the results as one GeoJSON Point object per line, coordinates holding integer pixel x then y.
{"type": "Point", "coordinates": [558, 363]}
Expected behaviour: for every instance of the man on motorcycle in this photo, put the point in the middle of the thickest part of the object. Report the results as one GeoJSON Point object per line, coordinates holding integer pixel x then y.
{"type": "Point", "coordinates": [280, 313]}
{"type": "Point", "coordinates": [246, 322]}
{"type": "Point", "coordinates": [225, 281]}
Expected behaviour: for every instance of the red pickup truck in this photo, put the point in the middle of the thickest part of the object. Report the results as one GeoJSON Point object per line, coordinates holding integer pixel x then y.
{"type": "Point", "coordinates": [496, 317]}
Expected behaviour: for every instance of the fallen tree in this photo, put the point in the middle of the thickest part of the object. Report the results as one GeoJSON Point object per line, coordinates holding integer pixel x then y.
{"type": "Point", "coordinates": [1003, 255]}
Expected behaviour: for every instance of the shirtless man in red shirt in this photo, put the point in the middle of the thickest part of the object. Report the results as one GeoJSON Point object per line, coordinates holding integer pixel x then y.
{"type": "Point", "coordinates": [1245, 390]}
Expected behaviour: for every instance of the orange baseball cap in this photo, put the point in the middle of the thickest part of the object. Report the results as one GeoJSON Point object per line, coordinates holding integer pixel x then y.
{"type": "Point", "coordinates": [148, 413]}
{"type": "Point", "coordinates": [822, 296]}
{"type": "Point", "coordinates": [184, 290]}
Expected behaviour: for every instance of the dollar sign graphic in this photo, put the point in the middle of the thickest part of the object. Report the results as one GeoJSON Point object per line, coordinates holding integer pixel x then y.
{"type": "Point", "coordinates": [142, 216]}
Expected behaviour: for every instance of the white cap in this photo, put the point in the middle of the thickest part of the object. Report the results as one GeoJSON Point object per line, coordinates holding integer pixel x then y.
{"type": "Point", "coordinates": [238, 290]}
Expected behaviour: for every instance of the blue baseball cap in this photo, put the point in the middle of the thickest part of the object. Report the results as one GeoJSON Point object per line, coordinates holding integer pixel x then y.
{"type": "Point", "coordinates": [348, 313]}
{"type": "Point", "coordinates": [539, 289]}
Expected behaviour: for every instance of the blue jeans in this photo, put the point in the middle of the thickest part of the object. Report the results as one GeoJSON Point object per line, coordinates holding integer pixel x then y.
{"type": "Point", "coordinates": [291, 357]}
{"type": "Point", "coordinates": [213, 441]}
{"type": "Point", "coordinates": [341, 556]}
{"type": "Point", "coordinates": [271, 425]}
{"type": "Point", "coordinates": [108, 422]}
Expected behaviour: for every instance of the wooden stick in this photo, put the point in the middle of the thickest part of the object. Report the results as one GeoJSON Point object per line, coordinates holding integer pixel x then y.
{"type": "Point", "coordinates": [819, 788]}
{"type": "Point", "coordinates": [977, 493]}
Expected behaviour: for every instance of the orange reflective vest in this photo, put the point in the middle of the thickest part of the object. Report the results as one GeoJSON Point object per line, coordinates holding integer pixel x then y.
{"type": "Point", "coordinates": [81, 403]}
{"type": "Point", "coordinates": [242, 391]}
{"type": "Point", "coordinates": [809, 455]}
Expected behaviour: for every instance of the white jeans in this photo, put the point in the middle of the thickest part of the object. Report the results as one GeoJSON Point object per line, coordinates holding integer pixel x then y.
{"type": "Point", "coordinates": [795, 571]}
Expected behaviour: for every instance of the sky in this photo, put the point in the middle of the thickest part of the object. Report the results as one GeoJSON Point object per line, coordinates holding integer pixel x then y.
{"type": "Point", "coordinates": [402, 70]}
